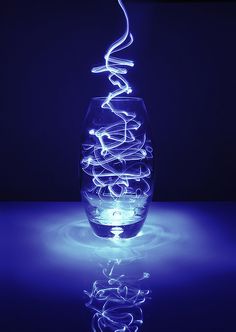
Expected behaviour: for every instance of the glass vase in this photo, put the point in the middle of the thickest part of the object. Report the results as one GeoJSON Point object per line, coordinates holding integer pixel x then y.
{"type": "Point", "coordinates": [117, 166]}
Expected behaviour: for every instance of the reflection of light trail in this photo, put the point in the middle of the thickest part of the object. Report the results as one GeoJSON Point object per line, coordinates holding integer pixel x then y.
{"type": "Point", "coordinates": [117, 301]}
{"type": "Point", "coordinates": [115, 157]}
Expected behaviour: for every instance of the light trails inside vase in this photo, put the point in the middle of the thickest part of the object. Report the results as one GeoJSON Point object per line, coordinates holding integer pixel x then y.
{"type": "Point", "coordinates": [115, 160]}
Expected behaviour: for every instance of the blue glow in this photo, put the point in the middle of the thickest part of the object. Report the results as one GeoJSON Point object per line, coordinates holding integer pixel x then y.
{"type": "Point", "coordinates": [115, 160]}
{"type": "Point", "coordinates": [76, 240]}
{"type": "Point", "coordinates": [180, 243]}
{"type": "Point", "coordinates": [53, 255]}
{"type": "Point", "coordinates": [171, 233]}
{"type": "Point", "coordinates": [50, 256]}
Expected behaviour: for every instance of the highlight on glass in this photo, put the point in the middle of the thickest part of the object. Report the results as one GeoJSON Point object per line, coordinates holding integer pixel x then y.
{"type": "Point", "coordinates": [117, 152]}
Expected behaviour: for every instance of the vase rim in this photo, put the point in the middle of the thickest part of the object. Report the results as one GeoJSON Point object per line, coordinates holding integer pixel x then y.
{"type": "Point", "coordinates": [121, 98]}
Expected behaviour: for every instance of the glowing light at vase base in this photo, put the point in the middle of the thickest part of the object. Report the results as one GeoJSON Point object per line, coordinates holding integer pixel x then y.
{"type": "Point", "coordinates": [117, 219]}
{"type": "Point", "coordinates": [117, 232]}
{"type": "Point", "coordinates": [116, 216]}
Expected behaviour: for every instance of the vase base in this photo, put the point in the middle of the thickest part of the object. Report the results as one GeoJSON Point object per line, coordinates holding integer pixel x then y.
{"type": "Point", "coordinates": [121, 218]}
{"type": "Point", "coordinates": [117, 231]}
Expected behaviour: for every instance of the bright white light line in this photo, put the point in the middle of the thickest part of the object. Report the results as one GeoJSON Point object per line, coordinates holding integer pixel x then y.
{"type": "Point", "coordinates": [115, 160]}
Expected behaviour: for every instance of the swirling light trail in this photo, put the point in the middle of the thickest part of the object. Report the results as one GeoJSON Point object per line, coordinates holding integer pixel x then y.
{"type": "Point", "coordinates": [115, 162]}
{"type": "Point", "coordinates": [117, 301]}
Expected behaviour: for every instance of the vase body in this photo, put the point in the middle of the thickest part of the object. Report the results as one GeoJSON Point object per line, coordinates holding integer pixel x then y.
{"type": "Point", "coordinates": [117, 166]}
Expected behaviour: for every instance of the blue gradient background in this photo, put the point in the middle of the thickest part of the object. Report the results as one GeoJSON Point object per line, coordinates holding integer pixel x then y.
{"type": "Point", "coordinates": [185, 70]}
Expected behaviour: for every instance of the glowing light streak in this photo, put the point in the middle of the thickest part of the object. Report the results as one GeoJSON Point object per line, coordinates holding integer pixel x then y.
{"type": "Point", "coordinates": [117, 301]}
{"type": "Point", "coordinates": [116, 159]}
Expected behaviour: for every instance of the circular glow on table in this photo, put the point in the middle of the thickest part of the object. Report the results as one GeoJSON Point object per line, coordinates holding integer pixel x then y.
{"type": "Point", "coordinates": [78, 238]}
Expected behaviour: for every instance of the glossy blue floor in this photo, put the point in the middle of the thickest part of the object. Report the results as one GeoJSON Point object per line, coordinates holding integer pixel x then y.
{"type": "Point", "coordinates": [186, 251]}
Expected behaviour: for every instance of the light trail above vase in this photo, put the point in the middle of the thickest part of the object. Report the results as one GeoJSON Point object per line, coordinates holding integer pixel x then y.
{"type": "Point", "coordinates": [116, 152]}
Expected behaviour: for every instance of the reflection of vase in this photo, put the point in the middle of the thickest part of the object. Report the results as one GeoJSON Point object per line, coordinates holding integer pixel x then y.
{"type": "Point", "coordinates": [117, 298]}
{"type": "Point", "coordinates": [117, 166]}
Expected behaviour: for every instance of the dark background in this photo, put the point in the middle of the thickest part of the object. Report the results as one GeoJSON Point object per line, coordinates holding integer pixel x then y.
{"type": "Point", "coordinates": [185, 70]}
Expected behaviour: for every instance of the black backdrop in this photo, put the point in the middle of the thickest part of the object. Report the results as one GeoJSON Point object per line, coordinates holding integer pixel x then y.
{"type": "Point", "coordinates": [185, 70]}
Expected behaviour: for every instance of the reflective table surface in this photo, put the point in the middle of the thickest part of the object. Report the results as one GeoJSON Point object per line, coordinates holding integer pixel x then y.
{"type": "Point", "coordinates": [178, 274]}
